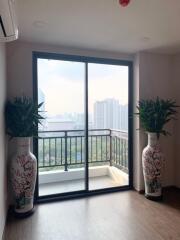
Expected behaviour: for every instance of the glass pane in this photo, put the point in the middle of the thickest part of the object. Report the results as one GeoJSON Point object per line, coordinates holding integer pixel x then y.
{"type": "Point", "coordinates": [108, 126]}
{"type": "Point", "coordinates": [61, 142]}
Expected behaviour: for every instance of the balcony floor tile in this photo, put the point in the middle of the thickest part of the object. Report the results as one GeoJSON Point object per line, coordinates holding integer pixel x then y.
{"type": "Point", "coordinates": [76, 185]}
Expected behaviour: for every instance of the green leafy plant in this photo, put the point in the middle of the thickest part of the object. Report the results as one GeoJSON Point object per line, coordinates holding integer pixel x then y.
{"type": "Point", "coordinates": [154, 114]}
{"type": "Point", "coordinates": [22, 117]}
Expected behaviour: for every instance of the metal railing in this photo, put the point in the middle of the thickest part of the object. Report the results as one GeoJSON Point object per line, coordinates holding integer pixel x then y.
{"type": "Point", "coordinates": [65, 148]}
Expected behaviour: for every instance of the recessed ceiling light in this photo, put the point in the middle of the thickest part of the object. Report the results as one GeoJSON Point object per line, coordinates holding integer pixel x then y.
{"type": "Point", "coordinates": [39, 24]}
{"type": "Point", "coordinates": [145, 39]}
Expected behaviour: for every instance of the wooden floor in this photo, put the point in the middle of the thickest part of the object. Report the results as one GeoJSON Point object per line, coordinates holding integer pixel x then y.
{"type": "Point", "coordinates": [117, 216]}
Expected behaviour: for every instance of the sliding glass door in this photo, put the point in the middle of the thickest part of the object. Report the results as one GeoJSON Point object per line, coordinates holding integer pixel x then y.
{"type": "Point", "coordinates": [61, 135]}
{"type": "Point", "coordinates": [108, 125]}
{"type": "Point", "coordinates": [84, 143]}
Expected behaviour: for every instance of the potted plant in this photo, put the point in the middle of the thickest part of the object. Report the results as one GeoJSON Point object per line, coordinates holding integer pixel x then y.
{"type": "Point", "coordinates": [154, 114]}
{"type": "Point", "coordinates": [22, 117]}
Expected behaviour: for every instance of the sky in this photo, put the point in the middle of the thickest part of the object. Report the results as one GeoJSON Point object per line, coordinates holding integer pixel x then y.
{"type": "Point", "coordinates": [62, 83]}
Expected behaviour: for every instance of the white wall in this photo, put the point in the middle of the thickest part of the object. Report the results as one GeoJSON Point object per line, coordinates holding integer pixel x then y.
{"type": "Point", "coordinates": [3, 182]}
{"type": "Point", "coordinates": [137, 166]}
{"type": "Point", "coordinates": [152, 78]}
{"type": "Point", "coordinates": [19, 56]}
{"type": "Point", "coordinates": [176, 85]}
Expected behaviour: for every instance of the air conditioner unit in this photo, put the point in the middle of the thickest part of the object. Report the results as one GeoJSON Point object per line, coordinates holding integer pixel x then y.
{"type": "Point", "coordinates": [8, 23]}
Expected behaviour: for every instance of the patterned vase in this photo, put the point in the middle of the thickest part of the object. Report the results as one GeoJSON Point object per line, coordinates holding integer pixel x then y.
{"type": "Point", "coordinates": [153, 162]}
{"type": "Point", "coordinates": [23, 171]}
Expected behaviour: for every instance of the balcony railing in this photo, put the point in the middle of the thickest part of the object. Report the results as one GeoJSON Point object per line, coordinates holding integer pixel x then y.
{"type": "Point", "coordinates": [65, 149]}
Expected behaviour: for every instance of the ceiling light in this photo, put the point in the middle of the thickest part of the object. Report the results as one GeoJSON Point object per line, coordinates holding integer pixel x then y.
{"type": "Point", "coordinates": [39, 24]}
{"type": "Point", "coordinates": [145, 39]}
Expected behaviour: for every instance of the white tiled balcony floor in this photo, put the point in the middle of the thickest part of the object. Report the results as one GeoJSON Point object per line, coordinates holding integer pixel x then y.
{"type": "Point", "coordinates": [75, 185]}
{"type": "Point", "coordinates": [95, 182]}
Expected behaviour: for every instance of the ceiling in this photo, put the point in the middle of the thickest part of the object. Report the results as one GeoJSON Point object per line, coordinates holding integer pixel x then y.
{"type": "Point", "coordinates": [152, 25]}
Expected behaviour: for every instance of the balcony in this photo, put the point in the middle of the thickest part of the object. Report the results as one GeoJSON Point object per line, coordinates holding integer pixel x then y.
{"type": "Point", "coordinates": [62, 161]}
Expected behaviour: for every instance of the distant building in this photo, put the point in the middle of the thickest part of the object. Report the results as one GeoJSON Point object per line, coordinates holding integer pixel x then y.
{"type": "Point", "coordinates": [99, 115]}
{"type": "Point", "coordinates": [123, 117]}
{"type": "Point", "coordinates": [59, 125]}
{"type": "Point", "coordinates": [110, 114]}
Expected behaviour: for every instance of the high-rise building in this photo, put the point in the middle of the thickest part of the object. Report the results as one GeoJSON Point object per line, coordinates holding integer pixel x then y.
{"type": "Point", "coordinates": [110, 114]}
{"type": "Point", "coordinates": [99, 112]}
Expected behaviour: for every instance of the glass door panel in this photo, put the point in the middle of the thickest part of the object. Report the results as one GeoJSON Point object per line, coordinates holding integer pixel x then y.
{"type": "Point", "coordinates": [61, 163]}
{"type": "Point", "coordinates": [108, 125]}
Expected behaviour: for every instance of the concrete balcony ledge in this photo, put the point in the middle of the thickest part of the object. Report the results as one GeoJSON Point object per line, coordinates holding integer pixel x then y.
{"type": "Point", "coordinates": [55, 176]}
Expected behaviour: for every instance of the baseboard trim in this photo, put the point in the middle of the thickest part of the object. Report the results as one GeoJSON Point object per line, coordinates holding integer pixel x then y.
{"type": "Point", "coordinates": [3, 236]}
{"type": "Point", "coordinates": [164, 188]}
{"type": "Point", "coordinates": [9, 210]}
{"type": "Point", "coordinates": [141, 191]}
{"type": "Point", "coordinates": [4, 230]}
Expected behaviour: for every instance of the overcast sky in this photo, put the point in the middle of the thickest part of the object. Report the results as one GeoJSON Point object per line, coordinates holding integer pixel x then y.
{"type": "Point", "coordinates": [62, 83]}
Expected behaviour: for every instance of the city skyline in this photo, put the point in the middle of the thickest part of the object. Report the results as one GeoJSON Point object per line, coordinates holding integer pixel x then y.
{"type": "Point", "coordinates": [62, 83]}
{"type": "Point", "coordinates": [107, 114]}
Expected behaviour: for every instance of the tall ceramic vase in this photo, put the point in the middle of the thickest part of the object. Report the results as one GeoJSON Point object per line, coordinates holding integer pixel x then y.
{"type": "Point", "coordinates": [23, 171]}
{"type": "Point", "coordinates": [153, 162]}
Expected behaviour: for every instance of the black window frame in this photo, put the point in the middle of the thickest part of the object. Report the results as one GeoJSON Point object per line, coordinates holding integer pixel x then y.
{"type": "Point", "coordinates": [83, 193]}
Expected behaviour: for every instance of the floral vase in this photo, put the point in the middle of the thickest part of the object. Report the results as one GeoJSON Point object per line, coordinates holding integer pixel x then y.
{"type": "Point", "coordinates": [153, 162]}
{"type": "Point", "coordinates": [23, 171]}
